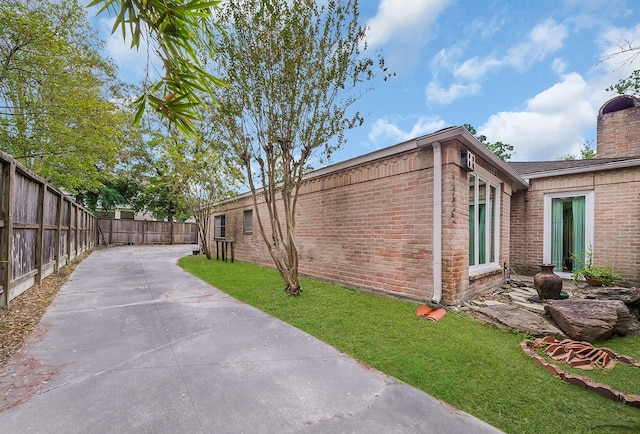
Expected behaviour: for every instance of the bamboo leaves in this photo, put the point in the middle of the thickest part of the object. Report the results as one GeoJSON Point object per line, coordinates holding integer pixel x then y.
{"type": "Point", "coordinates": [182, 33]}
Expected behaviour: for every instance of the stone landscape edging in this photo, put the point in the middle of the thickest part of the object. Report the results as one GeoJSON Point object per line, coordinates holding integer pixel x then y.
{"type": "Point", "coordinates": [581, 381]}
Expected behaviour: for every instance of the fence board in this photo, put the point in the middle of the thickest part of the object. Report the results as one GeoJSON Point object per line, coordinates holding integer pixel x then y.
{"type": "Point", "coordinates": [25, 200]}
{"type": "Point", "coordinates": [23, 252]}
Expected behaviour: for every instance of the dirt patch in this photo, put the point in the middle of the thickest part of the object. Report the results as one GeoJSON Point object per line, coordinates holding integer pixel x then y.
{"type": "Point", "coordinates": [22, 380]}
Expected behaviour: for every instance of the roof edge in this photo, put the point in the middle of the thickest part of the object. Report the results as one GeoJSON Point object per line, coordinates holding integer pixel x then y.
{"type": "Point", "coordinates": [445, 134]}
{"type": "Point", "coordinates": [585, 169]}
{"type": "Point", "coordinates": [442, 135]}
{"type": "Point", "coordinates": [476, 146]}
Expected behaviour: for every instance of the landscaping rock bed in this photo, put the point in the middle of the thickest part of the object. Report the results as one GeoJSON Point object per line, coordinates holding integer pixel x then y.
{"type": "Point", "coordinates": [590, 313]}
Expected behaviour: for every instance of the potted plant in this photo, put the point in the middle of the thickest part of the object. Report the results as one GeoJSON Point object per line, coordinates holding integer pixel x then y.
{"type": "Point", "coordinates": [592, 274]}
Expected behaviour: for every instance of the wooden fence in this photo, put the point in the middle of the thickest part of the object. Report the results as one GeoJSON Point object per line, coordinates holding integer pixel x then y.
{"type": "Point", "coordinates": [146, 232]}
{"type": "Point", "coordinates": [41, 229]}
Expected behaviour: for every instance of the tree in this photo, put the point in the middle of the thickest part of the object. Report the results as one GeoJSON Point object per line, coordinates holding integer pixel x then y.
{"type": "Point", "coordinates": [118, 189]}
{"type": "Point", "coordinates": [502, 150]}
{"type": "Point", "coordinates": [207, 174]}
{"type": "Point", "coordinates": [56, 111]}
{"type": "Point", "coordinates": [587, 152]}
{"type": "Point", "coordinates": [180, 33]}
{"type": "Point", "coordinates": [152, 166]}
{"type": "Point", "coordinates": [294, 69]}
{"type": "Point", "coordinates": [626, 86]}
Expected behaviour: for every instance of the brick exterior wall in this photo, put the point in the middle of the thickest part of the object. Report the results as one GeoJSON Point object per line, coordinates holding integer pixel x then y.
{"type": "Point", "coordinates": [490, 280]}
{"type": "Point", "coordinates": [370, 227]}
{"type": "Point", "coordinates": [619, 128]}
{"type": "Point", "coordinates": [616, 220]}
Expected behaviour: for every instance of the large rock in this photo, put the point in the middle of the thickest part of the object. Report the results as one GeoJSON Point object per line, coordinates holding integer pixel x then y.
{"type": "Point", "coordinates": [630, 296]}
{"type": "Point", "coordinates": [520, 319]}
{"type": "Point", "coordinates": [590, 320]}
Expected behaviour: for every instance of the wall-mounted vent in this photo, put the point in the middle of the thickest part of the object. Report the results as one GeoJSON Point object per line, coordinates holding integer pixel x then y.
{"type": "Point", "coordinates": [467, 161]}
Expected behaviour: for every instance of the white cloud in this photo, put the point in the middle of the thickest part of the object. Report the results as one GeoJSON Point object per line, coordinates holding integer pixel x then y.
{"type": "Point", "coordinates": [551, 125]}
{"type": "Point", "coordinates": [401, 18]}
{"type": "Point", "coordinates": [388, 132]}
{"type": "Point", "coordinates": [476, 68]}
{"type": "Point", "coordinates": [437, 94]}
{"type": "Point", "coordinates": [614, 40]}
{"type": "Point", "coordinates": [548, 36]}
{"type": "Point", "coordinates": [544, 39]}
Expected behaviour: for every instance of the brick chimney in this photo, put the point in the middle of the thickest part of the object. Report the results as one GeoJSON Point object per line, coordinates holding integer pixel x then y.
{"type": "Point", "coordinates": [619, 128]}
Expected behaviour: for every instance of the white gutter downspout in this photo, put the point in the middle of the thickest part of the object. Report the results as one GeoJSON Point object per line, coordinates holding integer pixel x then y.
{"type": "Point", "coordinates": [437, 223]}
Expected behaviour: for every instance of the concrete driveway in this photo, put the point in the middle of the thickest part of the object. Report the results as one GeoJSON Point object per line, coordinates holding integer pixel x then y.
{"type": "Point", "coordinates": [133, 344]}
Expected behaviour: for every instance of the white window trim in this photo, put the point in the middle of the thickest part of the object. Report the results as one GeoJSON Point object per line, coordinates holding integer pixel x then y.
{"type": "Point", "coordinates": [589, 211]}
{"type": "Point", "coordinates": [497, 184]}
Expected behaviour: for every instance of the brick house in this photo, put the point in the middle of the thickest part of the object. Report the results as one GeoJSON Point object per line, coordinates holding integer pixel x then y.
{"type": "Point", "coordinates": [571, 206]}
{"type": "Point", "coordinates": [439, 217]}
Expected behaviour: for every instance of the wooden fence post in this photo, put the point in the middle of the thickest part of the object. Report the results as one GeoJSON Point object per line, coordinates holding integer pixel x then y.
{"type": "Point", "coordinates": [40, 232]}
{"type": "Point", "coordinates": [69, 207]}
{"type": "Point", "coordinates": [6, 208]}
{"type": "Point", "coordinates": [76, 230]}
{"type": "Point", "coordinates": [58, 242]}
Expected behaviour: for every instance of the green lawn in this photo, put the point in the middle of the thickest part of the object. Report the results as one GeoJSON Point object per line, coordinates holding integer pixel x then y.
{"type": "Point", "coordinates": [473, 366]}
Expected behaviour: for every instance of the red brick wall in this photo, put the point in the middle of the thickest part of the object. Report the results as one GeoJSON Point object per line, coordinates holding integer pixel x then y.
{"type": "Point", "coordinates": [616, 220]}
{"type": "Point", "coordinates": [371, 227]}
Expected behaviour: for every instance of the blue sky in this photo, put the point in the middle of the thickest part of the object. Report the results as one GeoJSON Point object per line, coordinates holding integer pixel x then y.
{"type": "Point", "coordinates": [528, 73]}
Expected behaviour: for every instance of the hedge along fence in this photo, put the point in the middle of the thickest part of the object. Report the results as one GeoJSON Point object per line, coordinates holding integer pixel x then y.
{"type": "Point", "coordinates": [41, 229]}
{"type": "Point", "coordinates": [113, 231]}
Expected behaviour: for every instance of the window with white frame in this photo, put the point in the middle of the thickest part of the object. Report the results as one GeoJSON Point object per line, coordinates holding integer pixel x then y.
{"type": "Point", "coordinates": [568, 229]}
{"type": "Point", "coordinates": [219, 226]}
{"type": "Point", "coordinates": [247, 225]}
{"type": "Point", "coordinates": [484, 221]}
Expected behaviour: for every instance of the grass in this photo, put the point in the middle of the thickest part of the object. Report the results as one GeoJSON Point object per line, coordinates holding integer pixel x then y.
{"type": "Point", "coordinates": [471, 365]}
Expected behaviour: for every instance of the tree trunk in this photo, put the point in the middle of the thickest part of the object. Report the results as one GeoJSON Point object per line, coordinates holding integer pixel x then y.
{"type": "Point", "coordinates": [291, 292]}
{"type": "Point", "coordinates": [292, 280]}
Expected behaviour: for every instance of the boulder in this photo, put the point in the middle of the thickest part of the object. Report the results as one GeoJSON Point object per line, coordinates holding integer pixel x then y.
{"type": "Point", "coordinates": [630, 296]}
{"type": "Point", "coordinates": [590, 320]}
{"type": "Point", "coordinates": [520, 319]}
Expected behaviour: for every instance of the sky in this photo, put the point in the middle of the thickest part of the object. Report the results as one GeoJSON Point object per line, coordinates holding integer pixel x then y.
{"type": "Point", "coordinates": [529, 73]}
